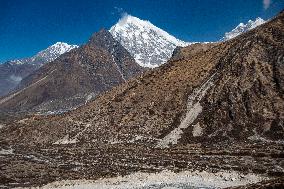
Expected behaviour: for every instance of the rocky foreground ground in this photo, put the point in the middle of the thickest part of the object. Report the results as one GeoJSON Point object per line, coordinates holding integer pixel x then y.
{"type": "Point", "coordinates": [35, 166]}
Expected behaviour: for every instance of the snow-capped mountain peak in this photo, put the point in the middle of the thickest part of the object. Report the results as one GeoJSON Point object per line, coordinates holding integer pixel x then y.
{"type": "Point", "coordinates": [129, 20]}
{"type": "Point", "coordinates": [148, 44]}
{"type": "Point", "coordinates": [53, 51]}
{"type": "Point", "coordinates": [241, 28]}
{"type": "Point", "coordinates": [47, 55]}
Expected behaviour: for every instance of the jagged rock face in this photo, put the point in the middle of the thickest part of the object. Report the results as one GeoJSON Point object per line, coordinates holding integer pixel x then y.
{"type": "Point", "coordinates": [12, 72]}
{"type": "Point", "coordinates": [246, 101]}
{"type": "Point", "coordinates": [121, 56]}
{"type": "Point", "coordinates": [148, 44]}
{"type": "Point", "coordinates": [231, 91]}
{"type": "Point", "coordinates": [74, 78]}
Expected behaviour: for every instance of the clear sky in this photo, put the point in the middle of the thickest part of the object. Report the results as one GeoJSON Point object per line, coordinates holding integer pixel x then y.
{"type": "Point", "coordinates": [28, 26]}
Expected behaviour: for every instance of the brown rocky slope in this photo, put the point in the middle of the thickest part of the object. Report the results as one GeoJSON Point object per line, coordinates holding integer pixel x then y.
{"type": "Point", "coordinates": [74, 78]}
{"type": "Point", "coordinates": [243, 98]}
{"type": "Point", "coordinates": [220, 107]}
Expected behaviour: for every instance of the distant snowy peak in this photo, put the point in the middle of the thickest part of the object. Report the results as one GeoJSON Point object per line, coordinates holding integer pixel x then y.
{"type": "Point", "coordinates": [53, 51]}
{"type": "Point", "coordinates": [241, 28]}
{"type": "Point", "coordinates": [46, 55]}
{"type": "Point", "coordinates": [149, 45]}
{"type": "Point", "coordinates": [145, 26]}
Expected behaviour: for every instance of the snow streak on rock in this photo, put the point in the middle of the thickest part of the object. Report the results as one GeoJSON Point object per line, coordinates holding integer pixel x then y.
{"type": "Point", "coordinates": [193, 110]}
{"type": "Point", "coordinates": [66, 140]}
{"type": "Point", "coordinates": [72, 140]}
{"type": "Point", "coordinates": [6, 151]}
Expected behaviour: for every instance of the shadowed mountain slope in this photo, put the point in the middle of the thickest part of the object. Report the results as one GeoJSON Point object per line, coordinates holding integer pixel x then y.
{"type": "Point", "coordinates": [231, 91]}
{"type": "Point", "coordinates": [12, 72]}
{"type": "Point", "coordinates": [74, 78]}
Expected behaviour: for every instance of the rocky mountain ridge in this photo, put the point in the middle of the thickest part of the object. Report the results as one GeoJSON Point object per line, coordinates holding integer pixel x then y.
{"type": "Point", "coordinates": [12, 72]}
{"type": "Point", "coordinates": [219, 93]}
{"type": "Point", "coordinates": [74, 78]}
{"type": "Point", "coordinates": [148, 44]}
{"type": "Point", "coordinates": [47, 55]}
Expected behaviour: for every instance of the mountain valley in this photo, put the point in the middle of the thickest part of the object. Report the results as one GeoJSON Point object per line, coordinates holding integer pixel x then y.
{"type": "Point", "coordinates": [212, 108]}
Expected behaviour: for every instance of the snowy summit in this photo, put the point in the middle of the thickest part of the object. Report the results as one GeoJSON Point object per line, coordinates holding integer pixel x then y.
{"type": "Point", "coordinates": [241, 28]}
{"type": "Point", "coordinates": [149, 45]}
{"type": "Point", "coordinates": [47, 55]}
{"type": "Point", "coordinates": [53, 51]}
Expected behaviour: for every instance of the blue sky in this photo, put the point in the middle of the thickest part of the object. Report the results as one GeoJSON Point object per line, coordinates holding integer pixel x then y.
{"type": "Point", "coordinates": [28, 26]}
